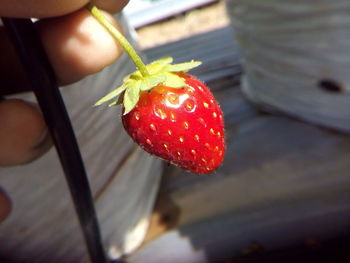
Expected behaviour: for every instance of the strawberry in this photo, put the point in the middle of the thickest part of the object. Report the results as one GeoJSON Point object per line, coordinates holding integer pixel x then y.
{"type": "Point", "coordinates": [168, 112]}
{"type": "Point", "coordinates": [173, 115]}
{"type": "Point", "coordinates": [183, 126]}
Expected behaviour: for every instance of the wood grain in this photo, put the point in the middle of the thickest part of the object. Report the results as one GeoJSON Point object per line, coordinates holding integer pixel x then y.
{"type": "Point", "coordinates": [283, 183]}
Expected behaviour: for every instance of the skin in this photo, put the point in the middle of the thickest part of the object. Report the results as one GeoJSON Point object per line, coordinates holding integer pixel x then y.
{"type": "Point", "coordinates": [70, 36]}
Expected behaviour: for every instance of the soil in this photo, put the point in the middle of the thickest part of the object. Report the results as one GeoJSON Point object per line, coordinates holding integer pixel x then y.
{"type": "Point", "coordinates": [193, 22]}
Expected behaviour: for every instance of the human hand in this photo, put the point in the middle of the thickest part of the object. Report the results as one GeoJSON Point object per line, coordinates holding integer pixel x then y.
{"type": "Point", "coordinates": [76, 44]}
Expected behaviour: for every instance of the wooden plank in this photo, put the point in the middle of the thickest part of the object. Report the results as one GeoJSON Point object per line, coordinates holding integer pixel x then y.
{"type": "Point", "coordinates": [283, 182]}
{"type": "Point", "coordinates": [217, 50]}
{"type": "Point", "coordinates": [140, 13]}
{"type": "Point", "coordinates": [197, 48]}
{"type": "Point", "coordinates": [204, 38]}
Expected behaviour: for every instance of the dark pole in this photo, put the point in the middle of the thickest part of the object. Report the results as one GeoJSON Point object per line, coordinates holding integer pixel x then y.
{"type": "Point", "coordinates": [44, 85]}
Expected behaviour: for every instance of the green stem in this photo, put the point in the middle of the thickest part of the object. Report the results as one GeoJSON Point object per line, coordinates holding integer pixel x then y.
{"type": "Point", "coordinates": [118, 36]}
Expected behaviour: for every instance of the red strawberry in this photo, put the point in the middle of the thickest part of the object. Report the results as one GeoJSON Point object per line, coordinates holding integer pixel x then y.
{"type": "Point", "coordinates": [183, 126]}
{"type": "Point", "coordinates": [174, 116]}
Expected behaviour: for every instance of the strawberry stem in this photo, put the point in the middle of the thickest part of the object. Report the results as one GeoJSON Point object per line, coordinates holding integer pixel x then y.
{"type": "Point", "coordinates": [95, 12]}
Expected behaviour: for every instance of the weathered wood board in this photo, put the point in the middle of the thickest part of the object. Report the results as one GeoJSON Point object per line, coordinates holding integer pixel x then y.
{"type": "Point", "coordinates": [284, 183]}
{"type": "Point", "coordinates": [141, 13]}
{"type": "Point", "coordinates": [219, 59]}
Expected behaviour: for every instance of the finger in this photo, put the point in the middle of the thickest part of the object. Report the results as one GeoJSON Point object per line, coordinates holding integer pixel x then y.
{"type": "Point", "coordinates": [5, 205]}
{"type": "Point", "coordinates": [23, 133]}
{"type": "Point", "coordinates": [77, 45]}
{"type": "Point", "coordinates": [112, 6]}
{"type": "Point", "coordinates": [51, 8]}
{"type": "Point", "coordinates": [39, 9]}
{"type": "Point", "coordinates": [12, 77]}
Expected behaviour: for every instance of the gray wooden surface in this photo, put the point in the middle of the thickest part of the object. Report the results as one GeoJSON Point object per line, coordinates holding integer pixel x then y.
{"type": "Point", "coordinates": [283, 182]}
{"type": "Point", "coordinates": [220, 58]}
{"type": "Point", "coordinates": [141, 13]}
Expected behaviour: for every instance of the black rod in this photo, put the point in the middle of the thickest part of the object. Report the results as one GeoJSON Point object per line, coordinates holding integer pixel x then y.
{"type": "Point", "coordinates": [43, 81]}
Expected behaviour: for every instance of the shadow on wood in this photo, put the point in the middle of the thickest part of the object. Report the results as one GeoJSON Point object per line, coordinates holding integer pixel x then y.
{"type": "Point", "coordinates": [284, 185]}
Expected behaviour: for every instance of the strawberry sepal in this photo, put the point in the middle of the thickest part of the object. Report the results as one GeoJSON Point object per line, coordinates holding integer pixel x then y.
{"type": "Point", "coordinates": [160, 71]}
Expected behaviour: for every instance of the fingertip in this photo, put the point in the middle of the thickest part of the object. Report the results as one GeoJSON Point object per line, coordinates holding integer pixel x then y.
{"type": "Point", "coordinates": [23, 133]}
{"type": "Point", "coordinates": [5, 205]}
{"type": "Point", "coordinates": [77, 45]}
{"type": "Point", "coordinates": [53, 8]}
{"type": "Point", "coordinates": [39, 9]}
{"type": "Point", "coordinates": [111, 6]}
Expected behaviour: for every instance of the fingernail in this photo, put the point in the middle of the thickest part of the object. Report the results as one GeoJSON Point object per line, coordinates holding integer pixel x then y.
{"type": "Point", "coordinates": [5, 205]}
{"type": "Point", "coordinates": [43, 145]}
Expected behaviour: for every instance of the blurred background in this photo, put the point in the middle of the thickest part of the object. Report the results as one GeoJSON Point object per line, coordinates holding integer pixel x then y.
{"type": "Point", "coordinates": [159, 22]}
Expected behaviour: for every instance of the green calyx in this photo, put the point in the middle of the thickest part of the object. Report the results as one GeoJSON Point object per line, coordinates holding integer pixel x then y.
{"type": "Point", "coordinates": [146, 77]}
{"type": "Point", "coordinates": [160, 71]}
